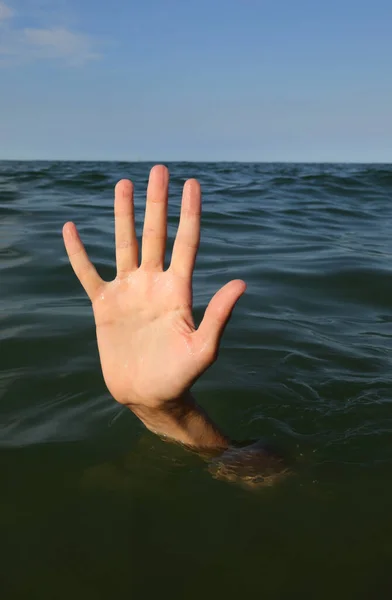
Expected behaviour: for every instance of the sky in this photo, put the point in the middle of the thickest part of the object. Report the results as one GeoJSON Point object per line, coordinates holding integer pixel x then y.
{"type": "Point", "coordinates": [205, 80]}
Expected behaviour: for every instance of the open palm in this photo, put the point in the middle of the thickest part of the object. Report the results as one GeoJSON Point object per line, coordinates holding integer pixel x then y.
{"type": "Point", "coordinates": [150, 350]}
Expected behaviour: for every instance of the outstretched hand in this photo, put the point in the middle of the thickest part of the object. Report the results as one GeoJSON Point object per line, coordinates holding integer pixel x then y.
{"type": "Point", "coordinates": [150, 351]}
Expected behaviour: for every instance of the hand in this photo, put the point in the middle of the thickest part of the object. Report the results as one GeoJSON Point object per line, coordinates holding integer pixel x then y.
{"type": "Point", "coordinates": [150, 351]}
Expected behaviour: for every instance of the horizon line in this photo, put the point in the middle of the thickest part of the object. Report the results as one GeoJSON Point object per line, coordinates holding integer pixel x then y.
{"type": "Point", "coordinates": [106, 160]}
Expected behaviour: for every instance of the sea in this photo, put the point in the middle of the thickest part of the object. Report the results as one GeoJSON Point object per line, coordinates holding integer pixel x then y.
{"type": "Point", "coordinates": [92, 505]}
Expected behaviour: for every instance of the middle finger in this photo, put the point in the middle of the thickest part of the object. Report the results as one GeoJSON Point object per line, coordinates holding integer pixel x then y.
{"type": "Point", "coordinates": [155, 220]}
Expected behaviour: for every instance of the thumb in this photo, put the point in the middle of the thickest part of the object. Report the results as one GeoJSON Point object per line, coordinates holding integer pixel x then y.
{"type": "Point", "coordinates": [218, 313]}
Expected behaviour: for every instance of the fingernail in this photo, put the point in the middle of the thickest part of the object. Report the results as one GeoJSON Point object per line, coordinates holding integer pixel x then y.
{"type": "Point", "coordinates": [160, 174]}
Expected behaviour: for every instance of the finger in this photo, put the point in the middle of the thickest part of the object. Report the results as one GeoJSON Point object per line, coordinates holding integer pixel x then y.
{"type": "Point", "coordinates": [83, 268]}
{"type": "Point", "coordinates": [155, 220]}
{"type": "Point", "coordinates": [188, 235]}
{"type": "Point", "coordinates": [217, 316]}
{"type": "Point", "coordinates": [124, 216]}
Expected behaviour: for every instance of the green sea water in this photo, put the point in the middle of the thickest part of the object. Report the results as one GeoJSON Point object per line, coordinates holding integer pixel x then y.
{"type": "Point", "coordinates": [92, 506]}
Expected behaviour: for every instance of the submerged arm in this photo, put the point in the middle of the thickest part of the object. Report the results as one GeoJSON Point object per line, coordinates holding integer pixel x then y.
{"type": "Point", "coordinates": [150, 350]}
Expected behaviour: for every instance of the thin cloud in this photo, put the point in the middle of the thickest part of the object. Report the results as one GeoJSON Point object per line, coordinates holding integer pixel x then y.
{"type": "Point", "coordinates": [5, 12]}
{"type": "Point", "coordinates": [22, 45]}
{"type": "Point", "coordinates": [75, 48]}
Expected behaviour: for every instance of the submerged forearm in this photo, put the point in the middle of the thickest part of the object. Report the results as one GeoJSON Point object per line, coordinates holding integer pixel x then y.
{"type": "Point", "coordinates": [183, 421]}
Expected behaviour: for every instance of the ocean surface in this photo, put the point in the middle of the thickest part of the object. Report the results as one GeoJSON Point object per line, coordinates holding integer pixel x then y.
{"type": "Point", "coordinates": [93, 506]}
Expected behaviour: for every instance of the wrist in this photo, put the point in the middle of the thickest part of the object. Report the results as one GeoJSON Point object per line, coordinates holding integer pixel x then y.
{"type": "Point", "coordinates": [182, 420]}
{"type": "Point", "coordinates": [156, 417]}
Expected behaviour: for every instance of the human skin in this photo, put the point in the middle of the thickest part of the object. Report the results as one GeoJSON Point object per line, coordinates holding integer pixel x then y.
{"type": "Point", "coordinates": [150, 350]}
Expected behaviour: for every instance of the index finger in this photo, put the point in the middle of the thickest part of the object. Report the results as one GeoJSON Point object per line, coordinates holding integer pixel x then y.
{"type": "Point", "coordinates": [80, 262]}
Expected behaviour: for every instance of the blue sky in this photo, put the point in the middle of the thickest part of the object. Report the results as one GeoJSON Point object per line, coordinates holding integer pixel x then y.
{"type": "Point", "coordinates": [205, 80]}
